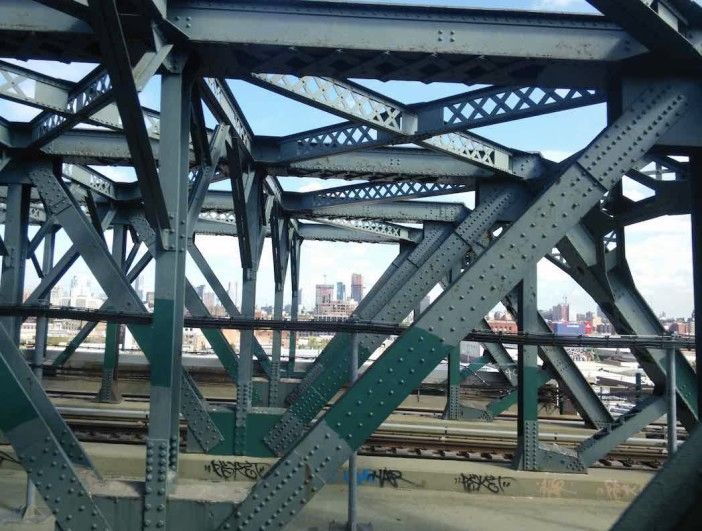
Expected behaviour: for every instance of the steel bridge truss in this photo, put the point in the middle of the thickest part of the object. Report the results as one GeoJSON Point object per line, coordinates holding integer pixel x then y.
{"type": "Point", "coordinates": [640, 58]}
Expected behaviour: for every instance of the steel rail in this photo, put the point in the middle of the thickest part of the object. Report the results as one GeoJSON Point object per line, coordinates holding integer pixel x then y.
{"type": "Point", "coordinates": [351, 326]}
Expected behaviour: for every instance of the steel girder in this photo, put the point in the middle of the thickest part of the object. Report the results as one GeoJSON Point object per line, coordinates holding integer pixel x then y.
{"type": "Point", "coordinates": [606, 277]}
{"type": "Point", "coordinates": [109, 275]}
{"type": "Point", "coordinates": [66, 104]}
{"type": "Point", "coordinates": [577, 188]}
{"type": "Point", "coordinates": [671, 500]}
{"type": "Point", "coordinates": [281, 241]}
{"type": "Point", "coordinates": [163, 442]}
{"type": "Point", "coordinates": [662, 26]}
{"type": "Point", "coordinates": [416, 274]}
{"type": "Point", "coordinates": [108, 391]}
{"type": "Point", "coordinates": [397, 42]}
{"type": "Point", "coordinates": [395, 163]}
{"type": "Point", "coordinates": [435, 125]}
{"type": "Point", "coordinates": [375, 192]}
{"type": "Point", "coordinates": [557, 365]}
{"type": "Point", "coordinates": [223, 106]}
{"type": "Point", "coordinates": [14, 259]}
{"type": "Point", "coordinates": [45, 445]}
{"type": "Point", "coordinates": [115, 56]}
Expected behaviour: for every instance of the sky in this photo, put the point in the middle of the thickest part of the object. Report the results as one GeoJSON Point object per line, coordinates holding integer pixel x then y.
{"type": "Point", "coordinates": [658, 251]}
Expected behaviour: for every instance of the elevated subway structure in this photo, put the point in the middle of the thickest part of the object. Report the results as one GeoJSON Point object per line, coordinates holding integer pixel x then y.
{"type": "Point", "coordinates": [642, 59]}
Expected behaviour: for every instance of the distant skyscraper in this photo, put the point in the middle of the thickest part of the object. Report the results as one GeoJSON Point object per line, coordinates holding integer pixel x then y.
{"type": "Point", "coordinates": [200, 290]}
{"type": "Point", "coordinates": [324, 293]}
{"type": "Point", "coordinates": [139, 287]}
{"type": "Point", "coordinates": [340, 291]}
{"type": "Point", "coordinates": [561, 312]}
{"type": "Point", "coordinates": [357, 287]}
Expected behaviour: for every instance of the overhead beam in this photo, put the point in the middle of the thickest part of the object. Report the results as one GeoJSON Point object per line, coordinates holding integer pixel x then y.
{"type": "Point", "coordinates": [345, 40]}
{"type": "Point", "coordinates": [108, 27]}
{"type": "Point", "coordinates": [435, 125]}
{"type": "Point", "coordinates": [663, 26]}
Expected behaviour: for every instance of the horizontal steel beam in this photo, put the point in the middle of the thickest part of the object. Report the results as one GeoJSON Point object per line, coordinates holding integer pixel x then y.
{"type": "Point", "coordinates": [345, 40]}
{"type": "Point", "coordinates": [347, 326]}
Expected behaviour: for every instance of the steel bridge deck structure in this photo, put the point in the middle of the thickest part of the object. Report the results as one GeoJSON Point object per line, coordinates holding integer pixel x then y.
{"type": "Point", "coordinates": [642, 58]}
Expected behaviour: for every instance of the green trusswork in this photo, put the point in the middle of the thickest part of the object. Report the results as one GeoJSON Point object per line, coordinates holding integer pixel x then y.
{"type": "Point", "coordinates": [671, 501]}
{"type": "Point", "coordinates": [43, 442]}
{"type": "Point", "coordinates": [526, 457]}
{"type": "Point", "coordinates": [73, 345]}
{"type": "Point", "coordinates": [84, 332]}
{"type": "Point", "coordinates": [453, 392]}
{"type": "Point", "coordinates": [259, 422]}
{"type": "Point", "coordinates": [613, 288]}
{"type": "Point", "coordinates": [214, 337]}
{"type": "Point", "coordinates": [501, 405]}
{"type": "Point", "coordinates": [474, 366]}
{"type": "Point", "coordinates": [402, 286]}
{"type": "Point", "coordinates": [383, 387]}
{"type": "Point", "coordinates": [580, 184]}
{"type": "Point", "coordinates": [225, 354]}
{"type": "Point", "coordinates": [108, 390]}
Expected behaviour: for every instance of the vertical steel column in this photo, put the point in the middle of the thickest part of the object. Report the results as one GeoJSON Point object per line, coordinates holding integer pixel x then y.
{"type": "Point", "coordinates": [42, 333]}
{"type": "Point", "coordinates": [245, 372]}
{"type": "Point", "coordinates": [167, 328]}
{"type": "Point", "coordinates": [295, 247]}
{"type": "Point", "coordinates": [453, 398]}
{"type": "Point", "coordinates": [353, 486]}
{"type": "Point", "coordinates": [39, 355]}
{"type": "Point", "coordinates": [526, 457]}
{"type": "Point", "coordinates": [696, 220]}
{"type": "Point", "coordinates": [13, 263]}
{"type": "Point", "coordinates": [274, 383]}
{"type": "Point", "coordinates": [671, 391]}
{"type": "Point", "coordinates": [108, 390]}
{"type": "Point", "coordinates": [352, 512]}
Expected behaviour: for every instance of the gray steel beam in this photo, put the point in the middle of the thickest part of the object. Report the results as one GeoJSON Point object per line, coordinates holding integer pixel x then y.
{"type": "Point", "coordinates": [613, 289]}
{"type": "Point", "coordinates": [399, 211]}
{"type": "Point", "coordinates": [578, 187]}
{"type": "Point", "coordinates": [281, 233]}
{"type": "Point", "coordinates": [387, 163]}
{"type": "Point", "coordinates": [113, 281]}
{"type": "Point", "coordinates": [562, 367]}
{"type": "Point", "coordinates": [14, 262]}
{"type": "Point", "coordinates": [666, 27]}
{"type": "Point", "coordinates": [226, 301]}
{"type": "Point", "coordinates": [390, 301]}
{"type": "Point", "coordinates": [116, 58]}
{"type": "Point", "coordinates": [374, 192]}
{"type": "Point", "coordinates": [672, 500]}
{"type": "Point", "coordinates": [169, 290]}
{"type": "Point", "coordinates": [44, 444]}
{"type": "Point", "coordinates": [403, 42]}
{"type": "Point", "coordinates": [295, 248]}
{"type": "Point", "coordinates": [223, 105]}
{"type": "Point", "coordinates": [527, 454]}
{"type": "Point", "coordinates": [435, 125]}
{"type": "Point", "coordinates": [398, 42]}
{"type": "Point", "coordinates": [397, 232]}
{"type": "Point", "coordinates": [108, 391]}
{"type": "Point", "coordinates": [65, 104]}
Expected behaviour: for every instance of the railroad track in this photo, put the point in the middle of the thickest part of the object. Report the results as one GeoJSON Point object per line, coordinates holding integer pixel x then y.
{"type": "Point", "coordinates": [428, 441]}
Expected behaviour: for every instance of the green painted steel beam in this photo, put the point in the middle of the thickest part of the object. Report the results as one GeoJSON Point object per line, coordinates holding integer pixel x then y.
{"type": "Point", "coordinates": [671, 501]}
{"type": "Point", "coordinates": [396, 296]}
{"type": "Point", "coordinates": [114, 283]}
{"type": "Point", "coordinates": [579, 186]}
{"type": "Point", "coordinates": [44, 444]}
